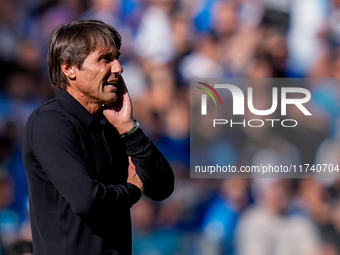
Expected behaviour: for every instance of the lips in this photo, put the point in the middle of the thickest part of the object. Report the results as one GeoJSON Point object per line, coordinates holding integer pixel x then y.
{"type": "Point", "coordinates": [110, 84]}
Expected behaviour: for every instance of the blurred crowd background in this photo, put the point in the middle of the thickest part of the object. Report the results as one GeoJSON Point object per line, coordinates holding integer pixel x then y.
{"type": "Point", "coordinates": [165, 43]}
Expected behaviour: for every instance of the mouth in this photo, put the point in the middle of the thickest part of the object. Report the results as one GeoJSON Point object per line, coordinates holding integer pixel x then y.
{"type": "Point", "coordinates": [112, 83]}
{"type": "Point", "coordinates": [112, 86]}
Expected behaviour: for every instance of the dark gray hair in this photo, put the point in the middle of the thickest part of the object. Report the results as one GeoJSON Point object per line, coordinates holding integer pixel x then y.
{"type": "Point", "coordinates": [73, 42]}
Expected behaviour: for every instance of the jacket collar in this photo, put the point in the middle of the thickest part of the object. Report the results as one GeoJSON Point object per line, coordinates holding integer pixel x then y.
{"type": "Point", "coordinates": [76, 110]}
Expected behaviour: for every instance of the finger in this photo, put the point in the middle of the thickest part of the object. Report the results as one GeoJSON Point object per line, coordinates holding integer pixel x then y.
{"type": "Point", "coordinates": [122, 85]}
{"type": "Point", "coordinates": [118, 104]}
{"type": "Point", "coordinates": [131, 165]}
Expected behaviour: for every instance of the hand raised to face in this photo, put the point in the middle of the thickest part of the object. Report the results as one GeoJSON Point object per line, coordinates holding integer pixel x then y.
{"type": "Point", "coordinates": [119, 113]}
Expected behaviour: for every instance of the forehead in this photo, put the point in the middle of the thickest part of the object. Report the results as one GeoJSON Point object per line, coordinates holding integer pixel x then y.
{"type": "Point", "coordinates": [102, 51]}
{"type": "Point", "coordinates": [101, 41]}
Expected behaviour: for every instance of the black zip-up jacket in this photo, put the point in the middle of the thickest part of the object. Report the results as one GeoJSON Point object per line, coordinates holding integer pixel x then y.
{"type": "Point", "coordinates": [76, 166]}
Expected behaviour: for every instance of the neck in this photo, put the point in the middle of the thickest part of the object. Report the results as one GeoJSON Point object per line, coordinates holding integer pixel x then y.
{"type": "Point", "coordinates": [92, 107]}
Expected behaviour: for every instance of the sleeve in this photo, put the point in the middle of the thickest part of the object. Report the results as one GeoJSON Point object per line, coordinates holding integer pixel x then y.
{"type": "Point", "coordinates": [151, 166]}
{"type": "Point", "coordinates": [56, 145]}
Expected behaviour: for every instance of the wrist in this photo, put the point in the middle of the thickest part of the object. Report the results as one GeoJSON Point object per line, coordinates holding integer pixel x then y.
{"type": "Point", "coordinates": [123, 128]}
{"type": "Point", "coordinates": [129, 129]}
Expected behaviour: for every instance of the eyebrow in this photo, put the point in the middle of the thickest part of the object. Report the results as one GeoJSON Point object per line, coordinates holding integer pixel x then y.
{"type": "Point", "coordinates": [110, 53]}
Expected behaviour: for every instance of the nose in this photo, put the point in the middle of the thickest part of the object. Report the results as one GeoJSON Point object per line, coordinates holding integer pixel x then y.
{"type": "Point", "coordinates": [116, 67]}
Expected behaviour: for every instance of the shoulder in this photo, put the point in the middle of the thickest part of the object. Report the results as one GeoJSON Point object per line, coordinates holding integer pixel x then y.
{"type": "Point", "coordinates": [48, 113]}
{"type": "Point", "coordinates": [50, 118]}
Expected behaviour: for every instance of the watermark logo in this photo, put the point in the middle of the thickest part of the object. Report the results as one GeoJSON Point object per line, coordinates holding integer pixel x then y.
{"type": "Point", "coordinates": [238, 99]}
{"type": "Point", "coordinates": [258, 127]}
{"type": "Point", "coordinates": [279, 98]}
{"type": "Point", "coordinates": [204, 97]}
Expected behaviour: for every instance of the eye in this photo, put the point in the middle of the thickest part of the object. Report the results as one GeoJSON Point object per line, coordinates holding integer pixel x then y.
{"type": "Point", "coordinates": [106, 59]}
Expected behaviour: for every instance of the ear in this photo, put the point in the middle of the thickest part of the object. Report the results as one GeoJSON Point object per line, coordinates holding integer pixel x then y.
{"type": "Point", "coordinates": [68, 70]}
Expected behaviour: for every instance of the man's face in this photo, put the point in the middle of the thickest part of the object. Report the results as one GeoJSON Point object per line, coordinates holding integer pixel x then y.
{"type": "Point", "coordinates": [97, 82]}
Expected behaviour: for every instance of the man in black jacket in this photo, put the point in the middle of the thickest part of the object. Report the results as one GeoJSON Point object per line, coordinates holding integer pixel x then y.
{"type": "Point", "coordinates": [87, 160]}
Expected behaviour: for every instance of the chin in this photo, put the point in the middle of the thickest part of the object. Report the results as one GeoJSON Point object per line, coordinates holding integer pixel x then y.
{"type": "Point", "coordinates": [111, 100]}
